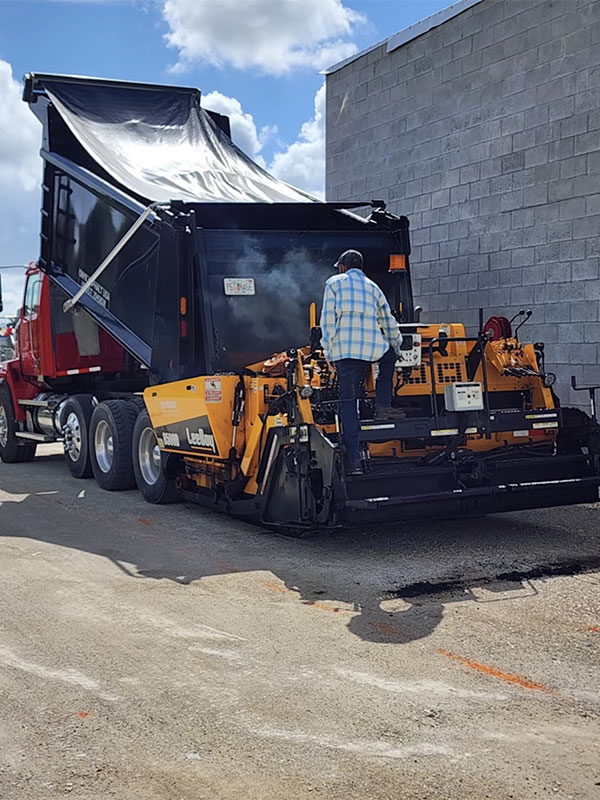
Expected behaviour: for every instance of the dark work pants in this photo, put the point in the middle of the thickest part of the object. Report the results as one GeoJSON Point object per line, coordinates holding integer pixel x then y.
{"type": "Point", "coordinates": [351, 373]}
{"type": "Point", "coordinates": [385, 379]}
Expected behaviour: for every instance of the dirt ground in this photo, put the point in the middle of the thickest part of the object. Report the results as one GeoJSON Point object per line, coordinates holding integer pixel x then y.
{"type": "Point", "coordinates": [168, 653]}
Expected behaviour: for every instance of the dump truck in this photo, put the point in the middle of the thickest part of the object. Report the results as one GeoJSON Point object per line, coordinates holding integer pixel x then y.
{"type": "Point", "coordinates": [169, 338]}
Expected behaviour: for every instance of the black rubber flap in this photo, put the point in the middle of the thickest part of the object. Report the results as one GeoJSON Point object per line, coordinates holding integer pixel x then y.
{"type": "Point", "coordinates": [163, 146]}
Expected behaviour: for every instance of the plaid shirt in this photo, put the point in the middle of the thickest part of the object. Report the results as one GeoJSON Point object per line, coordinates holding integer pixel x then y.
{"type": "Point", "coordinates": [356, 321]}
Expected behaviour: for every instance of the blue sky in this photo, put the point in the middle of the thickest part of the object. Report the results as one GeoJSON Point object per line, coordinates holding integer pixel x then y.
{"type": "Point", "coordinates": [257, 59]}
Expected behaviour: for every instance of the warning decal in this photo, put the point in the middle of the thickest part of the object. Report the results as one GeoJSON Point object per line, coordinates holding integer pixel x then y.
{"type": "Point", "coordinates": [212, 390]}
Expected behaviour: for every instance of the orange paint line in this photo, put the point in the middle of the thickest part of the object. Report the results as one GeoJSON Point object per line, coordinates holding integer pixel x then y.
{"type": "Point", "coordinates": [594, 629]}
{"type": "Point", "coordinates": [524, 683]}
{"type": "Point", "coordinates": [277, 587]}
{"type": "Point", "coordinates": [381, 626]}
{"type": "Point", "coordinates": [83, 714]}
{"type": "Point", "coordinates": [144, 521]}
{"type": "Point", "coordinates": [228, 568]}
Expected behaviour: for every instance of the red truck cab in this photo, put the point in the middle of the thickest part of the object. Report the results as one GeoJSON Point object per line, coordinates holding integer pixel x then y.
{"type": "Point", "coordinates": [57, 345]}
{"type": "Point", "coordinates": [56, 354]}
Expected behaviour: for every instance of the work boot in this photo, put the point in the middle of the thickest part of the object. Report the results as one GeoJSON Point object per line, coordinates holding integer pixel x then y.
{"type": "Point", "coordinates": [354, 466]}
{"type": "Point", "coordinates": [388, 412]}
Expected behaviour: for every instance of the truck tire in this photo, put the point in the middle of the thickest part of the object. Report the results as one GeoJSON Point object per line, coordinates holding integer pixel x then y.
{"type": "Point", "coordinates": [155, 473]}
{"type": "Point", "coordinates": [75, 423]}
{"type": "Point", "coordinates": [137, 401]}
{"type": "Point", "coordinates": [12, 450]}
{"type": "Point", "coordinates": [111, 431]}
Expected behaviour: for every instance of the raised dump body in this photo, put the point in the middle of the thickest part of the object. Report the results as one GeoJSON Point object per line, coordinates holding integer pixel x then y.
{"type": "Point", "coordinates": [215, 216]}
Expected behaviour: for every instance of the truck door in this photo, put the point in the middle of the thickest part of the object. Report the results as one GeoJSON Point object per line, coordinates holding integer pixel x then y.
{"type": "Point", "coordinates": [28, 333]}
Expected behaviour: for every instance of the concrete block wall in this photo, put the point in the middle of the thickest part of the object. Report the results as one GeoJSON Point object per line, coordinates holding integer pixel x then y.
{"type": "Point", "coordinates": [485, 132]}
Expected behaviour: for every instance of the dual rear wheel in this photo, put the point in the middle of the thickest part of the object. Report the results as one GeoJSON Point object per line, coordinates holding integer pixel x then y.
{"type": "Point", "coordinates": [154, 471]}
{"type": "Point", "coordinates": [115, 442]}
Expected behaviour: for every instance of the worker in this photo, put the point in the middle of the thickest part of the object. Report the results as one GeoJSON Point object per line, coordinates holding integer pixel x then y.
{"type": "Point", "coordinates": [358, 329]}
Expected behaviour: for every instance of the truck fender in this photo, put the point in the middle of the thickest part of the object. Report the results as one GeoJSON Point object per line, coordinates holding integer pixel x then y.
{"type": "Point", "coordinates": [7, 379]}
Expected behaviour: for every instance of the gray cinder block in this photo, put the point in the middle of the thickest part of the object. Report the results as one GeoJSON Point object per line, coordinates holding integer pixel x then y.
{"type": "Point", "coordinates": [485, 131]}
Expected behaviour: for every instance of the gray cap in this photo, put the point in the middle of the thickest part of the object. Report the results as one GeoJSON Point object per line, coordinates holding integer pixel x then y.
{"type": "Point", "coordinates": [351, 259]}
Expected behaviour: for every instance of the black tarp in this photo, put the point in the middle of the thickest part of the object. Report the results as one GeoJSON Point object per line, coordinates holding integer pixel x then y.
{"type": "Point", "coordinates": [163, 146]}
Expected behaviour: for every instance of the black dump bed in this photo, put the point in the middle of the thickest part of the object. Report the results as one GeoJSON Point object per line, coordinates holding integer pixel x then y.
{"type": "Point", "coordinates": [223, 271]}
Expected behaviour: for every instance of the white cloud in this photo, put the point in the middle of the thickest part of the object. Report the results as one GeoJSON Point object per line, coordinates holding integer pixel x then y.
{"type": "Point", "coordinates": [12, 293]}
{"type": "Point", "coordinates": [20, 173]}
{"type": "Point", "coordinates": [274, 36]}
{"type": "Point", "coordinates": [19, 136]}
{"type": "Point", "coordinates": [243, 128]}
{"type": "Point", "coordinates": [303, 163]}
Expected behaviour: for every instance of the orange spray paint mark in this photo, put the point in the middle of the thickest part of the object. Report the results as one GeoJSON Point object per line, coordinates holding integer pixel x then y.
{"type": "Point", "coordinates": [83, 714]}
{"type": "Point", "coordinates": [594, 629]}
{"type": "Point", "coordinates": [144, 521]}
{"type": "Point", "coordinates": [381, 626]}
{"type": "Point", "coordinates": [228, 568]}
{"type": "Point", "coordinates": [276, 587]}
{"type": "Point", "coordinates": [524, 683]}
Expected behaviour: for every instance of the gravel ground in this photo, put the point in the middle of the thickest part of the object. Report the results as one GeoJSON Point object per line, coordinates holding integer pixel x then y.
{"type": "Point", "coordinates": [168, 653]}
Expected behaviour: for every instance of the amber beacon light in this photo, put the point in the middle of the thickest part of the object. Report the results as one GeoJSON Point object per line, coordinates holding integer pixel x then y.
{"type": "Point", "coordinates": [397, 263]}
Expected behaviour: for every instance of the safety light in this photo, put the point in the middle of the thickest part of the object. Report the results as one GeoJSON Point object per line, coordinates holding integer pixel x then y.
{"type": "Point", "coordinates": [397, 263]}
{"type": "Point", "coordinates": [183, 306]}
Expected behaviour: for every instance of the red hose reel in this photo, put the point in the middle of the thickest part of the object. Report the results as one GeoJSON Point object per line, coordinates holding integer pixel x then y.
{"type": "Point", "coordinates": [498, 328]}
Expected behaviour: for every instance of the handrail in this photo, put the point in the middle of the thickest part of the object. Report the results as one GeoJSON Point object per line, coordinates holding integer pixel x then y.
{"type": "Point", "coordinates": [592, 393]}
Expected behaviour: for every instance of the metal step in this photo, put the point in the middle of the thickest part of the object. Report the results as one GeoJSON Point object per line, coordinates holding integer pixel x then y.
{"type": "Point", "coordinates": [456, 494]}
{"type": "Point", "coordinates": [39, 403]}
{"type": "Point", "coordinates": [34, 437]}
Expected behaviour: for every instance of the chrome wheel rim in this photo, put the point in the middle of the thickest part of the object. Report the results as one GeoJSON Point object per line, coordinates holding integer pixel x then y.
{"type": "Point", "coordinates": [72, 433]}
{"type": "Point", "coordinates": [103, 445]}
{"type": "Point", "coordinates": [149, 456]}
{"type": "Point", "coordinates": [3, 427]}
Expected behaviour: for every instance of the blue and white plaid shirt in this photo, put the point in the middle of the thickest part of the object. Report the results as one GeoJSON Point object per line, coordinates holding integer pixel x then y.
{"type": "Point", "coordinates": [356, 321]}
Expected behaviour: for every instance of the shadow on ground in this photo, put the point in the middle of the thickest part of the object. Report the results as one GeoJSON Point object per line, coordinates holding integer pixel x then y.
{"type": "Point", "coordinates": [397, 580]}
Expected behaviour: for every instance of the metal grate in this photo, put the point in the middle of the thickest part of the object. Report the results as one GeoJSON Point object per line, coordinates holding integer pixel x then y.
{"type": "Point", "coordinates": [446, 372]}
{"type": "Point", "coordinates": [422, 376]}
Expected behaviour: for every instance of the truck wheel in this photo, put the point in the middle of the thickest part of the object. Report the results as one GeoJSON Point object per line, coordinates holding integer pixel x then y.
{"type": "Point", "coordinates": [153, 470]}
{"type": "Point", "coordinates": [137, 401]}
{"type": "Point", "coordinates": [12, 451]}
{"type": "Point", "coordinates": [75, 422]}
{"type": "Point", "coordinates": [111, 431]}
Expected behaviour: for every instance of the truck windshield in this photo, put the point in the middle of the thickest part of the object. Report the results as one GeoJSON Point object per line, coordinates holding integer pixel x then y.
{"type": "Point", "coordinates": [261, 285]}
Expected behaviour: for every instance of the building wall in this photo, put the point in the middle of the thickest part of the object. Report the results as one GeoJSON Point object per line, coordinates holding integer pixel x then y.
{"type": "Point", "coordinates": [485, 132]}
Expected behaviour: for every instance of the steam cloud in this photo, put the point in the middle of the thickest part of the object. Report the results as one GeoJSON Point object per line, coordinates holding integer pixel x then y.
{"type": "Point", "coordinates": [277, 316]}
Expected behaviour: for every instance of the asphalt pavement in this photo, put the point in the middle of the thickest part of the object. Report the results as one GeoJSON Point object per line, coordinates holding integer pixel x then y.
{"type": "Point", "coordinates": [171, 653]}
